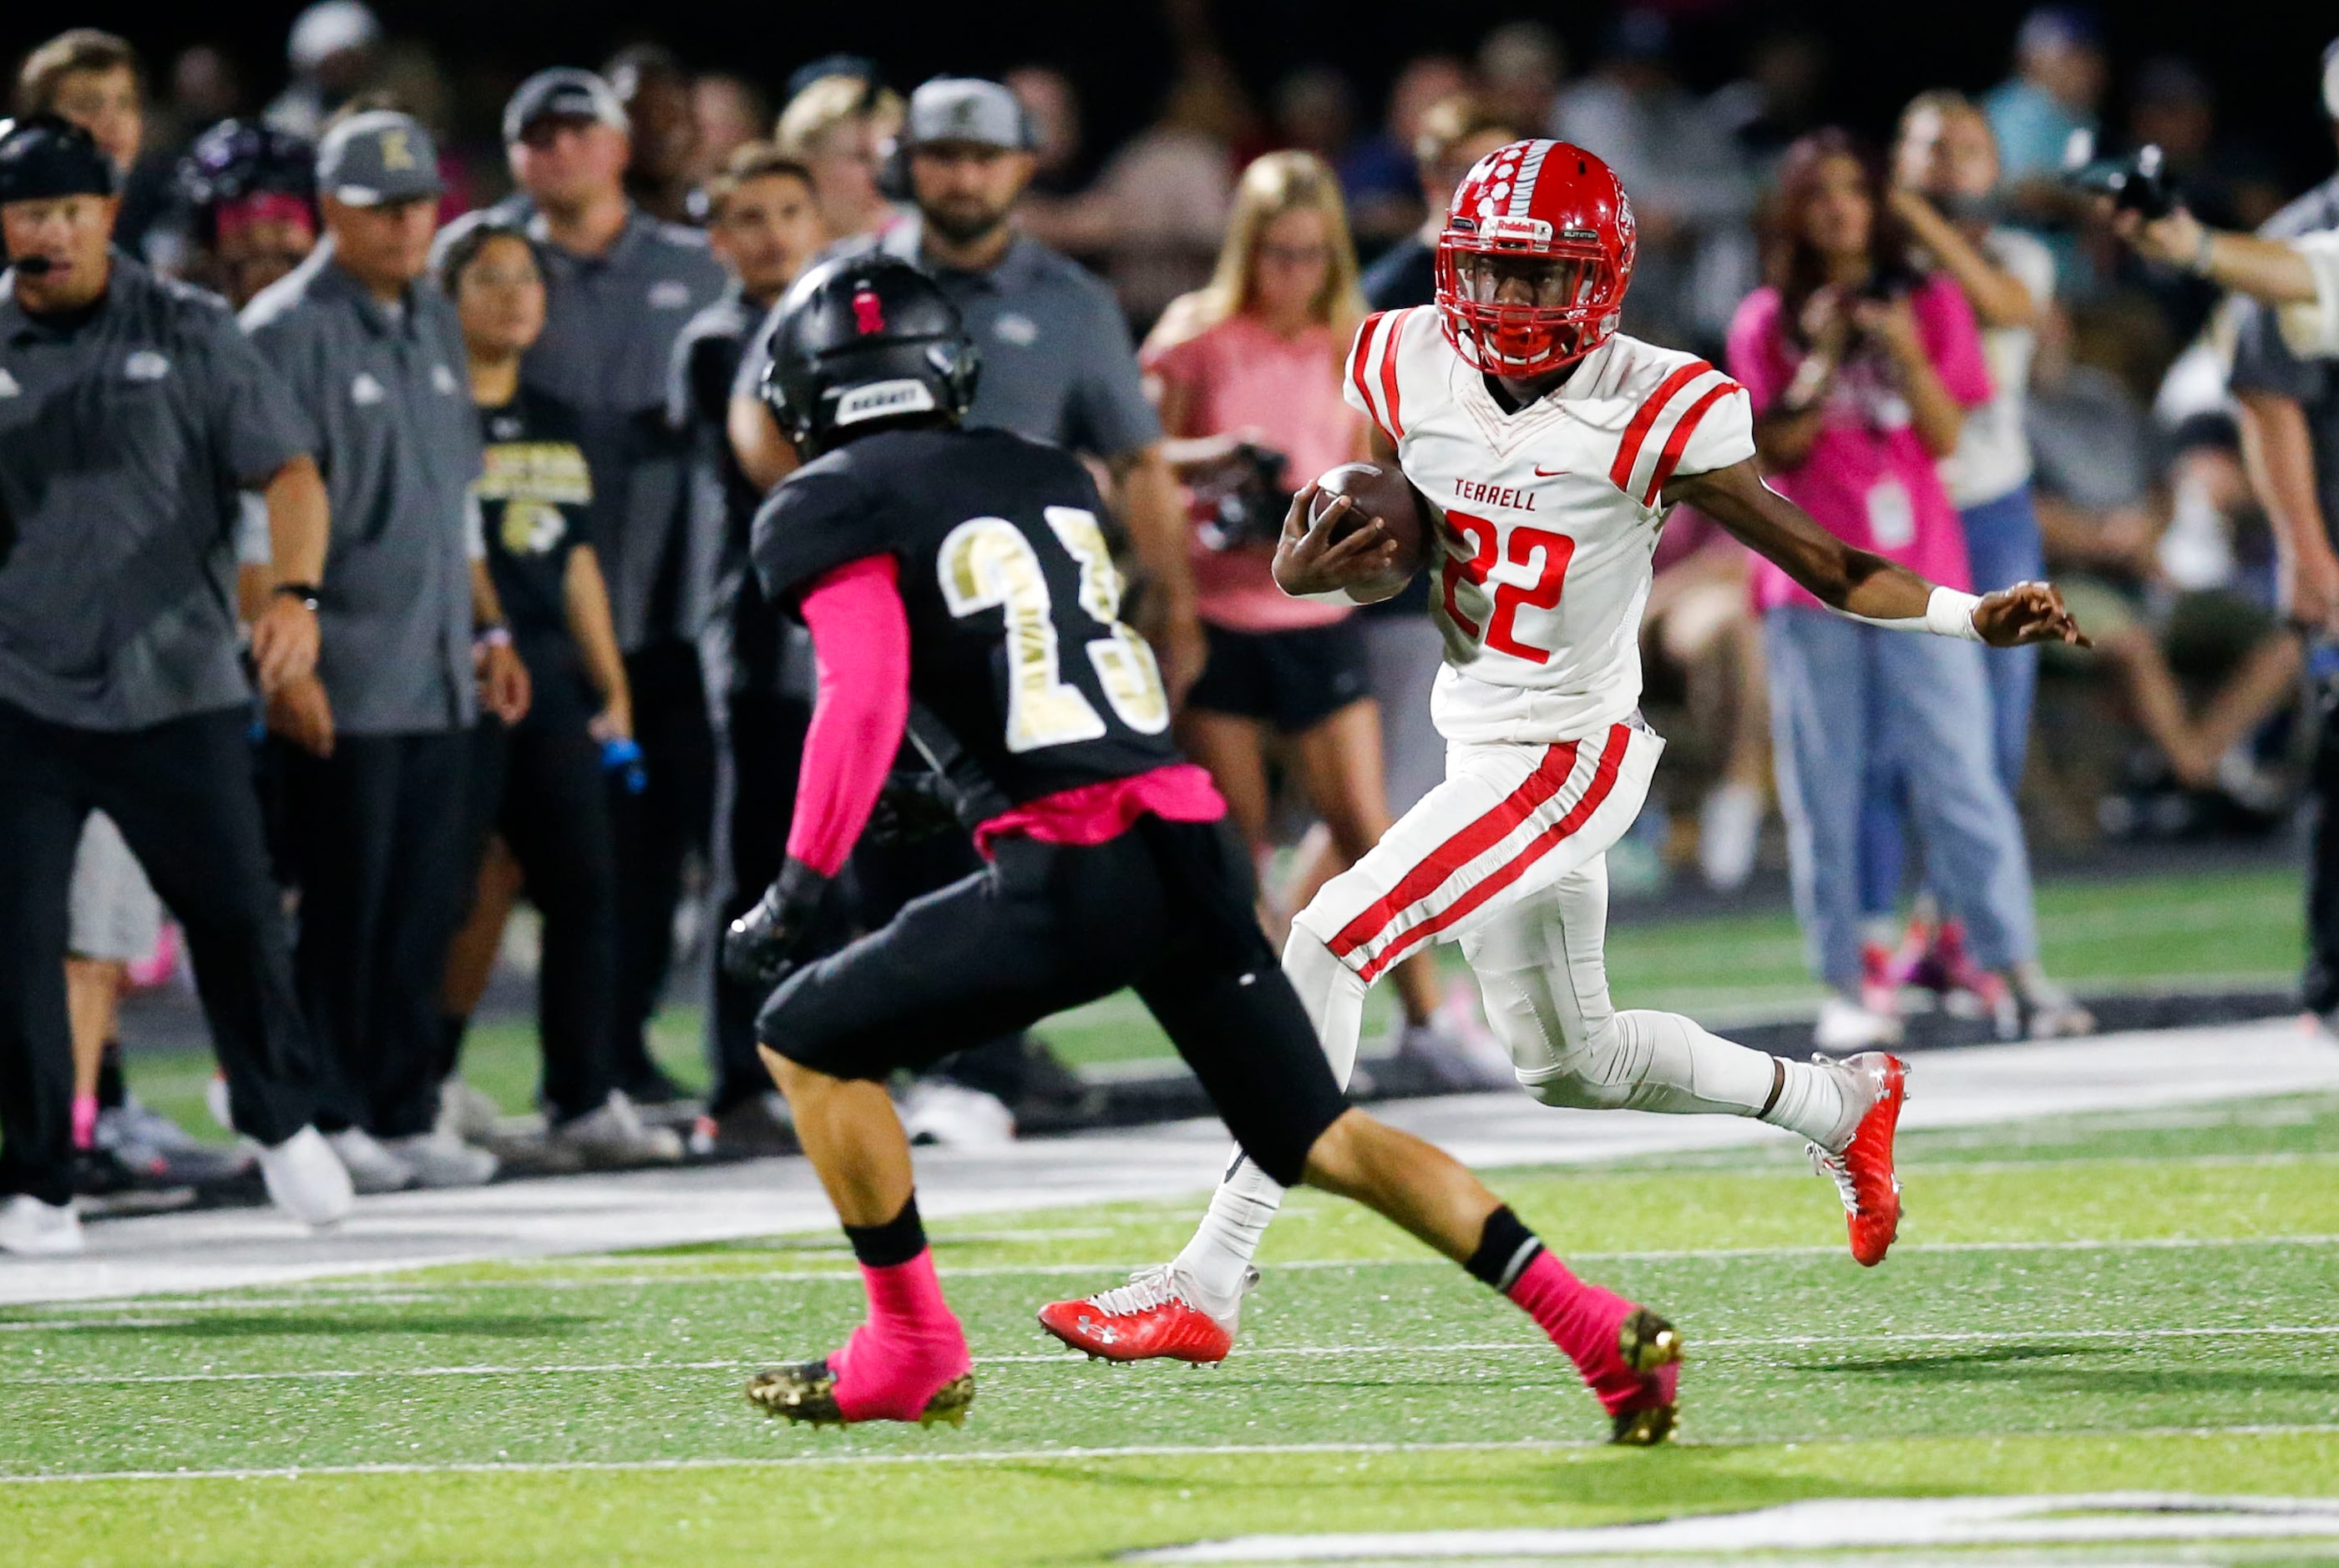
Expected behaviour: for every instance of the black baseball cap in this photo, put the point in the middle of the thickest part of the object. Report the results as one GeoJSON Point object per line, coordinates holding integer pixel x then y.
{"type": "Point", "coordinates": [44, 156]}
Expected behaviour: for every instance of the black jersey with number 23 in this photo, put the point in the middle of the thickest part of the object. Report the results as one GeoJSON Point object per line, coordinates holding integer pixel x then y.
{"type": "Point", "coordinates": [1016, 642]}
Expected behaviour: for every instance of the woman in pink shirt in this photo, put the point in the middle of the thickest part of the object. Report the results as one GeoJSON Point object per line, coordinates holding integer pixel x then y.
{"type": "Point", "coordinates": [1861, 371]}
{"type": "Point", "coordinates": [1247, 374]}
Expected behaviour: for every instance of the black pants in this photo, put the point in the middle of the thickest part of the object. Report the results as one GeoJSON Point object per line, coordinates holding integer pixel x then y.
{"type": "Point", "coordinates": [656, 832]}
{"type": "Point", "coordinates": [2319, 987]}
{"type": "Point", "coordinates": [380, 841]}
{"type": "Point", "coordinates": [1167, 908]}
{"type": "Point", "coordinates": [543, 789]}
{"type": "Point", "coordinates": [181, 795]}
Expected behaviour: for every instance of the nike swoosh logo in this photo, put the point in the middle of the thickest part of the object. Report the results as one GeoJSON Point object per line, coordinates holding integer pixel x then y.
{"type": "Point", "coordinates": [1544, 473]}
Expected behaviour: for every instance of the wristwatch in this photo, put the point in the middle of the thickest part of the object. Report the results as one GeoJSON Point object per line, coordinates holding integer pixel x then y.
{"type": "Point", "coordinates": [306, 593]}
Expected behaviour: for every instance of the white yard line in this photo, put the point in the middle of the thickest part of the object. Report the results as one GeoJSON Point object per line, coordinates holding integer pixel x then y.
{"type": "Point", "coordinates": [596, 1214]}
{"type": "Point", "coordinates": [1051, 1358]}
{"type": "Point", "coordinates": [1055, 1455]}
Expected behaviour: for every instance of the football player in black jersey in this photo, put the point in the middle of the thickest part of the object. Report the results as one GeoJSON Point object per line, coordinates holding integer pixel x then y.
{"type": "Point", "coordinates": [967, 572]}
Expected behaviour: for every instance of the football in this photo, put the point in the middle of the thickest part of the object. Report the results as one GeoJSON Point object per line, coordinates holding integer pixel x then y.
{"type": "Point", "coordinates": [1379, 490]}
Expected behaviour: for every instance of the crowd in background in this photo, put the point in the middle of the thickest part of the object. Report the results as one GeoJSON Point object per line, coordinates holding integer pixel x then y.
{"type": "Point", "coordinates": [2053, 404]}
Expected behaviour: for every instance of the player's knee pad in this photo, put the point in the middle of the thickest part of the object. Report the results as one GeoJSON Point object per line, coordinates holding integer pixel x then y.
{"type": "Point", "coordinates": [1590, 1070]}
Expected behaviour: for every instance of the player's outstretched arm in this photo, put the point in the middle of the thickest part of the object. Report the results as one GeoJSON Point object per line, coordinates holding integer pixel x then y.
{"type": "Point", "coordinates": [1862, 583]}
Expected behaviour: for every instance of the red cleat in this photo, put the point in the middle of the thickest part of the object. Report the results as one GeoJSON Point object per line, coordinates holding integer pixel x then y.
{"type": "Point", "coordinates": [1152, 1316]}
{"type": "Point", "coordinates": [1862, 1169]}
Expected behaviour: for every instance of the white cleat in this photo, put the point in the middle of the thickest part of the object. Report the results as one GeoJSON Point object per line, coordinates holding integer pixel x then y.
{"type": "Point", "coordinates": [371, 1167]}
{"type": "Point", "coordinates": [466, 1112]}
{"type": "Point", "coordinates": [439, 1160]}
{"type": "Point", "coordinates": [31, 1228]}
{"type": "Point", "coordinates": [306, 1180]}
{"type": "Point", "coordinates": [612, 1135]}
{"type": "Point", "coordinates": [1845, 1027]}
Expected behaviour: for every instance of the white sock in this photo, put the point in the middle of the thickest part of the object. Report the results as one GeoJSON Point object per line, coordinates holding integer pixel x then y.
{"type": "Point", "coordinates": [1219, 1256]}
{"type": "Point", "coordinates": [1687, 1071]}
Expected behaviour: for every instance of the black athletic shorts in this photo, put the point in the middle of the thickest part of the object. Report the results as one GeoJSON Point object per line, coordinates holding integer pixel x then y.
{"type": "Point", "coordinates": [1167, 908]}
{"type": "Point", "coordinates": [1294, 680]}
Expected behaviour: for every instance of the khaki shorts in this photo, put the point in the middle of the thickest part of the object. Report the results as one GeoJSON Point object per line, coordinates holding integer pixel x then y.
{"type": "Point", "coordinates": [111, 911]}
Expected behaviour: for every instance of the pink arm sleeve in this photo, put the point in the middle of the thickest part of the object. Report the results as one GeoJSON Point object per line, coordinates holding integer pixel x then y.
{"type": "Point", "coordinates": [861, 634]}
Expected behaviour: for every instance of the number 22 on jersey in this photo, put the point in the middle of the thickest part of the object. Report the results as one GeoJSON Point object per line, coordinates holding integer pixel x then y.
{"type": "Point", "coordinates": [986, 563]}
{"type": "Point", "coordinates": [1540, 550]}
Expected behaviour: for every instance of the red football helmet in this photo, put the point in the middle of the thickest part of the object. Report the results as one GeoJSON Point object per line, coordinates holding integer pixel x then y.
{"type": "Point", "coordinates": [1534, 262]}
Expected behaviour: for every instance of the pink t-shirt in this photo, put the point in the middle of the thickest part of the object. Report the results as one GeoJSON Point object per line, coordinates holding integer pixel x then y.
{"type": "Point", "coordinates": [1868, 478]}
{"type": "Point", "coordinates": [1240, 376]}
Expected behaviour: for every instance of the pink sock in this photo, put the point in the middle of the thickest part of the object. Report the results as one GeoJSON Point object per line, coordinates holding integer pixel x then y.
{"type": "Point", "coordinates": [909, 1346]}
{"type": "Point", "coordinates": [1583, 1320]}
{"type": "Point", "coordinates": [84, 1120]}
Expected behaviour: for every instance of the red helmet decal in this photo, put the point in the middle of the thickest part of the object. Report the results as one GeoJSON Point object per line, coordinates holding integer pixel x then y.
{"type": "Point", "coordinates": [868, 314]}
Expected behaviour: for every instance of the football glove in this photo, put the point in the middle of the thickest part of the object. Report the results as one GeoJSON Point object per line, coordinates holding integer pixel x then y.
{"type": "Point", "coordinates": [916, 805]}
{"type": "Point", "coordinates": [756, 946]}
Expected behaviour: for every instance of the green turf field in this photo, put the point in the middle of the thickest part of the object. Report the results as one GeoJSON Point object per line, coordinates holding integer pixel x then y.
{"type": "Point", "coordinates": [2142, 1301]}
{"type": "Point", "coordinates": [2217, 929]}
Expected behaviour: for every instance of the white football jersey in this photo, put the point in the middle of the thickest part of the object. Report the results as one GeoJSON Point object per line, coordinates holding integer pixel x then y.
{"type": "Point", "coordinates": [1549, 516]}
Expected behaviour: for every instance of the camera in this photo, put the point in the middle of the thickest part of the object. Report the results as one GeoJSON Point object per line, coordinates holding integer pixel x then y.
{"type": "Point", "coordinates": [1246, 496]}
{"type": "Point", "coordinates": [2136, 181]}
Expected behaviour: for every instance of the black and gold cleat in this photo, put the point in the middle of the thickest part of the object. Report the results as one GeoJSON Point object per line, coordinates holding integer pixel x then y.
{"type": "Point", "coordinates": [1648, 1343]}
{"type": "Point", "coordinates": [807, 1392]}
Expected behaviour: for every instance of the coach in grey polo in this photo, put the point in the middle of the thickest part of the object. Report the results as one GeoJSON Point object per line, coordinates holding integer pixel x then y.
{"type": "Point", "coordinates": [620, 287]}
{"type": "Point", "coordinates": [132, 414]}
{"type": "Point", "coordinates": [378, 824]}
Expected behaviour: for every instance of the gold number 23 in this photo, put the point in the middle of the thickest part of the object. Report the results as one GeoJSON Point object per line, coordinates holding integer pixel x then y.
{"type": "Point", "coordinates": [986, 563]}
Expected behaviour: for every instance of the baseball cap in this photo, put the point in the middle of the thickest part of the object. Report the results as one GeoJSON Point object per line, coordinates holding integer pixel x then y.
{"type": "Point", "coordinates": [965, 109]}
{"type": "Point", "coordinates": [562, 92]}
{"type": "Point", "coordinates": [42, 157]}
{"type": "Point", "coordinates": [376, 158]}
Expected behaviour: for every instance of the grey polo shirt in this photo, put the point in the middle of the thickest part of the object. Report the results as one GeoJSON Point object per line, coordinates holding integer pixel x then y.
{"type": "Point", "coordinates": [610, 330]}
{"type": "Point", "coordinates": [125, 432]}
{"type": "Point", "coordinates": [2263, 362]}
{"type": "Point", "coordinates": [1057, 363]}
{"type": "Point", "coordinates": [386, 401]}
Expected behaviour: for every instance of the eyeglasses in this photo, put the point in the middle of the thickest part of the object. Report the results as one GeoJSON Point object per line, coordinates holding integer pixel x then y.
{"type": "Point", "coordinates": [1296, 255]}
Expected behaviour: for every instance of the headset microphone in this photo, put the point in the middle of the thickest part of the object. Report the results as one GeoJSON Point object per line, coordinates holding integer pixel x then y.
{"type": "Point", "coordinates": [35, 266]}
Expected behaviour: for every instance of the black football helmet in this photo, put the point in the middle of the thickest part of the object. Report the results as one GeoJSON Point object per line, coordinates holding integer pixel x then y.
{"type": "Point", "coordinates": [861, 343]}
{"type": "Point", "coordinates": [239, 158]}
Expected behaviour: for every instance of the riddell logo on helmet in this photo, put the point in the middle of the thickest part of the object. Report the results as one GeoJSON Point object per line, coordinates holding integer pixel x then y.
{"type": "Point", "coordinates": [868, 313]}
{"type": "Point", "coordinates": [883, 399]}
{"type": "Point", "coordinates": [1532, 230]}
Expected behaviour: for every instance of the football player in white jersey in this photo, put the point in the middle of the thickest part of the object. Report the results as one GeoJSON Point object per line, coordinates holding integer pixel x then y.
{"type": "Point", "coordinates": [1549, 447]}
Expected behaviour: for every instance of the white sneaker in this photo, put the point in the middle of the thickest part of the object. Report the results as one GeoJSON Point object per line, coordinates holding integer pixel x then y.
{"type": "Point", "coordinates": [1845, 1027]}
{"type": "Point", "coordinates": [439, 1160]}
{"type": "Point", "coordinates": [216, 1101]}
{"type": "Point", "coordinates": [1456, 1059]}
{"type": "Point", "coordinates": [371, 1167]}
{"type": "Point", "coordinates": [305, 1179]}
{"type": "Point", "coordinates": [613, 1135]}
{"type": "Point", "coordinates": [1728, 832]}
{"type": "Point", "coordinates": [952, 1115]}
{"type": "Point", "coordinates": [466, 1113]}
{"type": "Point", "coordinates": [31, 1228]}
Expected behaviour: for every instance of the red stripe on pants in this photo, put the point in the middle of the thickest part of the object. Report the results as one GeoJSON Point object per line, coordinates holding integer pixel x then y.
{"type": "Point", "coordinates": [1604, 780]}
{"type": "Point", "coordinates": [1459, 851]}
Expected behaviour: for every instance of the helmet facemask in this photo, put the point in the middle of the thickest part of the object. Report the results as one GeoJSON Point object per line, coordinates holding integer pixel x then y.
{"type": "Point", "coordinates": [1520, 309]}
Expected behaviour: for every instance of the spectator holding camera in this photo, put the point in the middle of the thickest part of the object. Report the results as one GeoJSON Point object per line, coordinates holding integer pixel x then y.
{"type": "Point", "coordinates": [1861, 372]}
{"type": "Point", "coordinates": [1248, 375]}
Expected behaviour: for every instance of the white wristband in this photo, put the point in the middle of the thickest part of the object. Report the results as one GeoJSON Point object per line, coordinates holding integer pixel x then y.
{"type": "Point", "coordinates": [1949, 614]}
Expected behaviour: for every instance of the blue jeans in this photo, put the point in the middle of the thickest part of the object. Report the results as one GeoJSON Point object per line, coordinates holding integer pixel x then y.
{"type": "Point", "coordinates": [2002, 540]}
{"type": "Point", "coordinates": [1846, 698]}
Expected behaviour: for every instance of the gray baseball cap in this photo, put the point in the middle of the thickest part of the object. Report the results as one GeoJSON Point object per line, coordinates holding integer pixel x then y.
{"type": "Point", "coordinates": [966, 109]}
{"type": "Point", "coordinates": [373, 159]}
{"type": "Point", "coordinates": [566, 92]}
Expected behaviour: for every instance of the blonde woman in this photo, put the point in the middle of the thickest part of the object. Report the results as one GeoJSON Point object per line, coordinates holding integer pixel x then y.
{"type": "Point", "coordinates": [1246, 372]}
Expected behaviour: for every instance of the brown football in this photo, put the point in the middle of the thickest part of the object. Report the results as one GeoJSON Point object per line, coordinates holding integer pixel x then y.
{"type": "Point", "coordinates": [1377, 490]}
